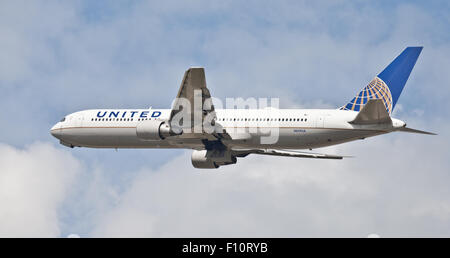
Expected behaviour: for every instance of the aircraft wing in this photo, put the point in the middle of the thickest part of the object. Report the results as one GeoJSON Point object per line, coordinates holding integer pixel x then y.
{"type": "Point", "coordinates": [193, 111]}
{"type": "Point", "coordinates": [286, 153]}
{"type": "Point", "coordinates": [193, 88]}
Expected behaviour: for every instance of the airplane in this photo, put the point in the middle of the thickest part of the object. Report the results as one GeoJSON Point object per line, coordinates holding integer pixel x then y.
{"type": "Point", "coordinates": [219, 136]}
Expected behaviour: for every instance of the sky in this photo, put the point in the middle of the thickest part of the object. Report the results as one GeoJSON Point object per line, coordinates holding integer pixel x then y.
{"type": "Point", "coordinates": [59, 57]}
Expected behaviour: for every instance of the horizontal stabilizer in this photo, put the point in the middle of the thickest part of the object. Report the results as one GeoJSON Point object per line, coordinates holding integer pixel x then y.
{"type": "Point", "coordinates": [410, 130]}
{"type": "Point", "coordinates": [373, 112]}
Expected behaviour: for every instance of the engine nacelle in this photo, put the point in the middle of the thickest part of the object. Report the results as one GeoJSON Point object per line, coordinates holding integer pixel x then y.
{"type": "Point", "coordinates": [212, 158]}
{"type": "Point", "coordinates": [153, 130]}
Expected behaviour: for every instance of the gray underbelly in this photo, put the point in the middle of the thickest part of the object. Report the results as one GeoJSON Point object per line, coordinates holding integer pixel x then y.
{"type": "Point", "coordinates": [284, 138]}
{"type": "Point", "coordinates": [301, 138]}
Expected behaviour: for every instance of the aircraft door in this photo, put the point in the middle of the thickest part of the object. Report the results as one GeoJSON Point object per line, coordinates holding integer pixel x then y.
{"type": "Point", "coordinates": [76, 120]}
{"type": "Point", "coordinates": [80, 120]}
{"type": "Point", "coordinates": [320, 121]}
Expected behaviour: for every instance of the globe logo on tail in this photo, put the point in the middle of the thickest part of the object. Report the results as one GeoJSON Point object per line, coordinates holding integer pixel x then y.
{"type": "Point", "coordinates": [377, 89]}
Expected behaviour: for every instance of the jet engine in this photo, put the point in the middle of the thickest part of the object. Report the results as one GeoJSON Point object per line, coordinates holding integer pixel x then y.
{"type": "Point", "coordinates": [212, 158]}
{"type": "Point", "coordinates": [153, 130]}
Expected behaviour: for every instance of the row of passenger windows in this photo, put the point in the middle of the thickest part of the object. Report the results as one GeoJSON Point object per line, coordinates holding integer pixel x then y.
{"type": "Point", "coordinates": [119, 119]}
{"type": "Point", "coordinates": [264, 119]}
{"type": "Point", "coordinates": [220, 119]}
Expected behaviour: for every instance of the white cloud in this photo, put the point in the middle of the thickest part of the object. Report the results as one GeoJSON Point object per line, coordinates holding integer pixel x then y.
{"type": "Point", "coordinates": [55, 60]}
{"type": "Point", "coordinates": [33, 184]}
{"type": "Point", "coordinates": [394, 186]}
{"type": "Point", "coordinates": [56, 57]}
{"type": "Point", "coordinates": [260, 196]}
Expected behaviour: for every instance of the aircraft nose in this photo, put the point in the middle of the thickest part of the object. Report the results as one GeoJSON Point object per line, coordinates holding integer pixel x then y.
{"type": "Point", "coordinates": [56, 131]}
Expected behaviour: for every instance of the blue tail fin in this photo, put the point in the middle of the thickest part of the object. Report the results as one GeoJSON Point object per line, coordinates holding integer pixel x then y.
{"type": "Point", "coordinates": [388, 85]}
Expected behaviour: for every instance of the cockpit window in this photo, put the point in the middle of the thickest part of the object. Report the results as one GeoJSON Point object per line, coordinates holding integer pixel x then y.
{"type": "Point", "coordinates": [64, 119]}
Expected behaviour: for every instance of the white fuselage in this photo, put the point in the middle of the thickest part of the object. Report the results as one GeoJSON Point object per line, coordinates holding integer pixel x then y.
{"type": "Point", "coordinates": [294, 128]}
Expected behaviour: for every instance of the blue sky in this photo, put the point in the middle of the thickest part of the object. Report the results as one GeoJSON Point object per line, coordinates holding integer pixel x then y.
{"type": "Point", "coordinates": [58, 57]}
